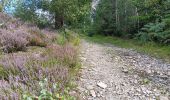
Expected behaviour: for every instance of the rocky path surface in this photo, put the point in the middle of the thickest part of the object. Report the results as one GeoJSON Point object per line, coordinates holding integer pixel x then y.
{"type": "Point", "coordinates": [112, 73]}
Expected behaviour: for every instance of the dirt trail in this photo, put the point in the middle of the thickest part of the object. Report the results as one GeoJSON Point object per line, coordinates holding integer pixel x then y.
{"type": "Point", "coordinates": [112, 73]}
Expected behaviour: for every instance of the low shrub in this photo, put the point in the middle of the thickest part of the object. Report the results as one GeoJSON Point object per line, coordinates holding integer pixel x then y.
{"type": "Point", "coordinates": [51, 35]}
{"type": "Point", "coordinates": [45, 94]}
{"type": "Point", "coordinates": [14, 24]}
{"type": "Point", "coordinates": [4, 17]}
{"type": "Point", "coordinates": [12, 64]}
{"type": "Point", "coordinates": [4, 20]}
{"type": "Point", "coordinates": [25, 73]}
{"type": "Point", "coordinates": [37, 38]}
{"type": "Point", "coordinates": [17, 38]}
{"type": "Point", "coordinates": [61, 40]}
{"type": "Point", "coordinates": [11, 41]}
{"type": "Point", "coordinates": [68, 36]}
{"type": "Point", "coordinates": [76, 41]}
{"type": "Point", "coordinates": [66, 54]}
{"type": "Point", "coordinates": [71, 35]}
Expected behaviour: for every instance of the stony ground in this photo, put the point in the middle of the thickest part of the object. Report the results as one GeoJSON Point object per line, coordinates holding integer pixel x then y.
{"type": "Point", "coordinates": [112, 73]}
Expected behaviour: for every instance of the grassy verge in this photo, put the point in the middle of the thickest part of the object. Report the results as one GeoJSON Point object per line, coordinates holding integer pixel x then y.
{"type": "Point", "coordinates": [152, 49]}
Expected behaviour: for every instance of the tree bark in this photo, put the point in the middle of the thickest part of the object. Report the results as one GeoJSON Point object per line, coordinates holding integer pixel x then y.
{"type": "Point", "coordinates": [126, 17]}
{"type": "Point", "coordinates": [138, 21]}
{"type": "Point", "coordinates": [116, 5]}
{"type": "Point", "coordinates": [59, 21]}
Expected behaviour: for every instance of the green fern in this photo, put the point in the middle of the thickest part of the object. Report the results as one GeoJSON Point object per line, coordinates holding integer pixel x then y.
{"type": "Point", "coordinates": [154, 32]}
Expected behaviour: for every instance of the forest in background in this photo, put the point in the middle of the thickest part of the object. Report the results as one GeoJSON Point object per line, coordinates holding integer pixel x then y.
{"type": "Point", "coordinates": [57, 13]}
{"type": "Point", "coordinates": [147, 20]}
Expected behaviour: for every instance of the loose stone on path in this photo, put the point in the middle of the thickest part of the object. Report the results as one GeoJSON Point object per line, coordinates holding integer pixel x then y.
{"type": "Point", "coordinates": [92, 93]}
{"type": "Point", "coordinates": [102, 85]}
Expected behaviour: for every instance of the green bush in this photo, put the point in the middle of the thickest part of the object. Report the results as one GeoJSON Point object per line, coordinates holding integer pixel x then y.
{"type": "Point", "coordinates": [167, 20]}
{"type": "Point", "coordinates": [72, 37]}
{"type": "Point", "coordinates": [61, 40]}
{"type": "Point", "coordinates": [157, 32]}
{"type": "Point", "coordinates": [47, 95]}
{"type": "Point", "coordinates": [68, 36]}
{"type": "Point", "coordinates": [42, 22]}
{"type": "Point", "coordinates": [143, 37]}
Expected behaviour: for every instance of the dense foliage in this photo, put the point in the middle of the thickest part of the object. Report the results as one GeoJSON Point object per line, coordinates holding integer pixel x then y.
{"type": "Point", "coordinates": [147, 20]}
{"type": "Point", "coordinates": [57, 12]}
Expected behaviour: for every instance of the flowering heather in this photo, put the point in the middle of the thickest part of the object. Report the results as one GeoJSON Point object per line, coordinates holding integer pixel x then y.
{"type": "Point", "coordinates": [4, 17]}
{"type": "Point", "coordinates": [14, 24]}
{"type": "Point", "coordinates": [25, 73]}
{"type": "Point", "coordinates": [21, 72]}
{"type": "Point", "coordinates": [19, 38]}
{"type": "Point", "coordinates": [8, 22]}
{"type": "Point", "coordinates": [67, 54]}
{"type": "Point", "coordinates": [13, 40]}
{"type": "Point", "coordinates": [15, 35]}
{"type": "Point", "coordinates": [37, 38]}
{"type": "Point", "coordinates": [51, 36]}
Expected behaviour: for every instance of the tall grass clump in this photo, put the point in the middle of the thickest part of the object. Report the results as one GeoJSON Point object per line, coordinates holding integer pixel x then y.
{"type": "Point", "coordinates": [67, 36]}
{"type": "Point", "coordinates": [72, 37]}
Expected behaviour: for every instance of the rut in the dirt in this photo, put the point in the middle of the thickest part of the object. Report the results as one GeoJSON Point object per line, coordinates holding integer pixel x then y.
{"type": "Point", "coordinates": [112, 73]}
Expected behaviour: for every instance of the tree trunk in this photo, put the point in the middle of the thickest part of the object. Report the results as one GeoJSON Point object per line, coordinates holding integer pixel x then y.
{"type": "Point", "coordinates": [59, 21]}
{"type": "Point", "coordinates": [138, 21]}
{"type": "Point", "coordinates": [126, 17]}
{"type": "Point", "coordinates": [116, 5]}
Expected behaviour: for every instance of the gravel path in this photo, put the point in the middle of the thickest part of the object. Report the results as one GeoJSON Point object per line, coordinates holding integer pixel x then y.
{"type": "Point", "coordinates": [112, 73]}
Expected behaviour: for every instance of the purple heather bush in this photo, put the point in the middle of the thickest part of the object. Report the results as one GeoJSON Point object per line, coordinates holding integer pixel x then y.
{"type": "Point", "coordinates": [51, 35]}
{"type": "Point", "coordinates": [23, 74]}
{"type": "Point", "coordinates": [66, 54]}
{"type": "Point", "coordinates": [11, 41]}
{"type": "Point", "coordinates": [16, 35]}
{"type": "Point", "coordinates": [37, 38]}
{"type": "Point", "coordinates": [4, 17]}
